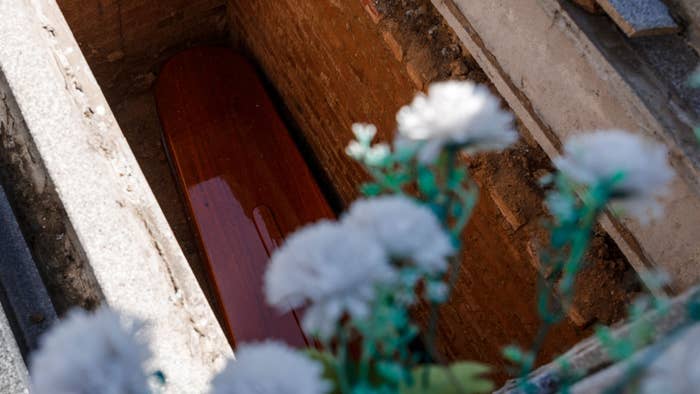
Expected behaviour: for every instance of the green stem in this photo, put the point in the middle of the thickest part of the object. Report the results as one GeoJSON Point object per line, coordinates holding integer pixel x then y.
{"type": "Point", "coordinates": [447, 175]}
{"type": "Point", "coordinates": [435, 356]}
{"type": "Point", "coordinates": [548, 317]}
{"type": "Point", "coordinates": [468, 198]}
{"type": "Point", "coordinates": [432, 327]}
{"type": "Point", "coordinates": [592, 207]}
{"type": "Point", "coordinates": [367, 350]}
{"type": "Point", "coordinates": [382, 180]}
{"type": "Point", "coordinates": [341, 367]}
{"type": "Point", "coordinates": [593, 202]}
{"type": "Point", "coordinates": [365, 359]}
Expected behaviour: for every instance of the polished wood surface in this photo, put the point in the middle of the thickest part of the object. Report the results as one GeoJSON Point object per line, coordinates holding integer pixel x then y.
{"type": "Point", "coordinates": [244, 181]}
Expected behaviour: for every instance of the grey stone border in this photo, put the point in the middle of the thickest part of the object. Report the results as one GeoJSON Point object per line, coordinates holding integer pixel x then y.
{"type": "Point", "coordinates": [13, 373]}
{"type": "Point", "coordinates": [96, 230]}
{"type": "Point", "coordinates": [590, 360]}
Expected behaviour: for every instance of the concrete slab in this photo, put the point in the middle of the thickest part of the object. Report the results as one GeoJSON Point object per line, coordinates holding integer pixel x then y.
{"type": "Point", "coordinates": [640, 17]}
{"type": "Point", "coordinates": [13, 372]}
{"type": "Point", "coordinates": [95, 228]}
{"type": "Point", "coordinates": [24, 293]}
{"type": "Point", "coordinates": [590, 355]}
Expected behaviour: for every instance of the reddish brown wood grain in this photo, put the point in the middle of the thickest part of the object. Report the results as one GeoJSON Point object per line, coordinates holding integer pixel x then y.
{"type": "Point", "coordinates": [244, 181]}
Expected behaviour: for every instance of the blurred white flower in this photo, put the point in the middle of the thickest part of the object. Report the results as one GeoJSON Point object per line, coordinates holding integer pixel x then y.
{"type": "Point", "coordinates": [602, 155]}
{"type": "Point", "coordinates": [91, 353]}
{"type": "Point", "coordinates": [333, 267]}
{"type": "Point", "coordinates": [270, 368]}
{"type": "Point", "coordinates": [364, 132]}
{"type": "Point", "coordinates": [456, 113]}
{"type": "Point", "coordinates": [406, 229]}
{"type": "Point", "coordinates": [378, 154]}
{"type": "Point", "coordinates": [361, 147]}
{"type": "Point", "coordinates": [356, 150]}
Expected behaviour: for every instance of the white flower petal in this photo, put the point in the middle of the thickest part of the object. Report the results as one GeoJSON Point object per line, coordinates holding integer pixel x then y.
{"type": "Point", "coordinates": [600, 156]}
{"type": "Point", "coordinates": [326, 264]}
{"type": "Point", "coordinates": [364, 132]}
{"type": "Point", "coordinates": [355, 150]}
{"type": "Point", "coordinates": [456, 113]}
{"type": "Point", "coordinates": [270, 368]}
{"type": "Point", "coordinates": [407, 230]}
{"type": "Point", "coordinates": [91, 353]}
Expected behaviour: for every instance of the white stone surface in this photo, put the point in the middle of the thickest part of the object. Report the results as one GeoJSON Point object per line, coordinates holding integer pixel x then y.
{"type": "Point", "coordinates": [130, 252]}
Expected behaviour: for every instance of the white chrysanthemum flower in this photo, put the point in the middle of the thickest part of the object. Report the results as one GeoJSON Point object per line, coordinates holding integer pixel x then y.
{"type": "Point", "coordinates": [270, 368]}
{"type": "Point", "coordinates": [602, 155]}
{"type": "Point", "coordinates": [407, 230]}
{"type": "Point", "coordinates": [456, 113]}
{"type": "Point", "coordinates": [91, 353]}
{"type": "Point", "coordinates": [333, 267]}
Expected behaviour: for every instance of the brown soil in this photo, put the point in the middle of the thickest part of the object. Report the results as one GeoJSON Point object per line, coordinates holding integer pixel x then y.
{"type": "Point", "coordinates": [608, 282]}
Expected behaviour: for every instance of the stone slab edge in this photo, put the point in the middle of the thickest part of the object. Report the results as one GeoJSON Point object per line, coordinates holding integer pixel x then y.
{"type": "Point", "coordinates": [640, 17]}
{"type": "Point", "coordinates": [559, 84]}
{"type": "Point", "coordinates": [589, 356]}
{"type": "Point", "coordinates": [673, 367]}
{"type": "Point", "coordinates": [111, 241]}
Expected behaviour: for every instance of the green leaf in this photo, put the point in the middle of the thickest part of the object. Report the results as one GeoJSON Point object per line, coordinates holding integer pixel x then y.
{"type": "Point", "coordinates": [391, 372]}
{"type": "Point", "coordinates": [516, 355]}
{"type": "Point", "coordinates": [426, 182]}
{"type": "Point", "coordinates": [327, 360]}
{"type": "Point", "coordinates": [378, 155]}
{"type": "Point", "coordinates": [693, 306]}
{"type": "Point", "coordinates": [371, 189]}
{"type": "Point", "coordinates": [513, 354]}
{"type": "Point", "coordinates": [461, 377]}
{"type": "Point", "coordinates": [457, 209]}
{"type": "Point", "coordinates": [394, 181]}
{"type": "Point", "coordinates": [617, 349]}
{"type": "Point", "coordinates": [456, 177]}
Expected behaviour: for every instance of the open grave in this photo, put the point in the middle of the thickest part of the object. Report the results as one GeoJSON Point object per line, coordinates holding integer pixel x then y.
{"type": "Point", "coordinates": [325, 65]}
